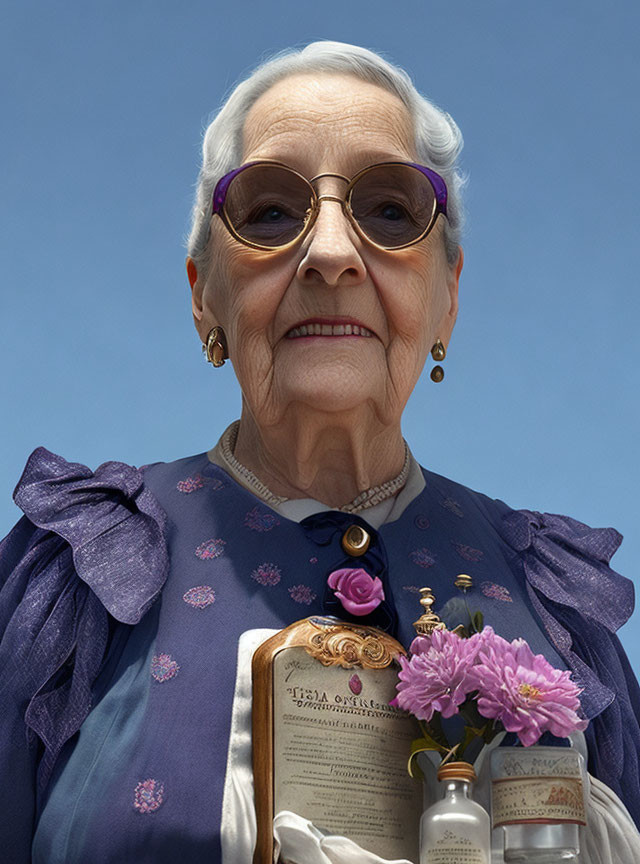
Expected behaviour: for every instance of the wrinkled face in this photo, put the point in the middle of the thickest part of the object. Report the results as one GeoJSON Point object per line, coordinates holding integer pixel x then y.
{"type": "Point", "coordinates": [332, 281]}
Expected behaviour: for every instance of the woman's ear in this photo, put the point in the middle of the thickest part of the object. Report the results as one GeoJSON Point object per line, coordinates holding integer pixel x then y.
{"type": "Point", "coordinates": [453, 281]}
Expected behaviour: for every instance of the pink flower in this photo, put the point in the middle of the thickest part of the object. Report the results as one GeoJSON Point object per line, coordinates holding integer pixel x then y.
{"type": "Point", "coordinates": [523, 691]}
{"type": "Point", "coordinates": [358, 592]}
{"type": "Point", "coordinates": [436, 678]}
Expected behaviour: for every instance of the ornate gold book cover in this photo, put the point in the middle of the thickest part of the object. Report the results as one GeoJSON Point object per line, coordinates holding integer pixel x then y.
{"type": "Point", "coordinates": [326, 743]}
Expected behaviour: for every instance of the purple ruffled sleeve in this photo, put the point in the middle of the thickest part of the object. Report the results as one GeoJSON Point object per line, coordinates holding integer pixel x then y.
{"type": "Point", "coordinates": [582, 602]}
{"type": "Point", "coordinates": [91, 544]}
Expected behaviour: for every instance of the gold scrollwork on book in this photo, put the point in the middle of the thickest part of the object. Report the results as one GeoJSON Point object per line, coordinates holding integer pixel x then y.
{"type": "Point", "coordinates": [350, 645]}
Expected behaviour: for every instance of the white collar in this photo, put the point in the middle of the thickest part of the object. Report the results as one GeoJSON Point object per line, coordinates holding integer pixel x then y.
{"type": "Point", "coordinates": [297, 509]}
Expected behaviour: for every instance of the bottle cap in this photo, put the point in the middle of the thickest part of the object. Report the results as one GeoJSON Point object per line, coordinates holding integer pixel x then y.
{"type": "Point", "coordinates": [457, 771]}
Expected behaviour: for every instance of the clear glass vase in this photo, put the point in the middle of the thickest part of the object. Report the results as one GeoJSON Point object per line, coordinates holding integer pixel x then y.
{"type": "Point", "coordinates": [455, 828]}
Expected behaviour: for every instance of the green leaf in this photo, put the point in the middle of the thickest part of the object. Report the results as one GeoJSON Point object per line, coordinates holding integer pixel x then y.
{"type": "Point", "coordinates": [421, 745]}
{"type": "Point", "coordinates": [478, 621]}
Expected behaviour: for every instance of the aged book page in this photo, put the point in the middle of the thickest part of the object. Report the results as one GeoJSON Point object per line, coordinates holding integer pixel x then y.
{"type": "Point", "coordinates": [340, 753]}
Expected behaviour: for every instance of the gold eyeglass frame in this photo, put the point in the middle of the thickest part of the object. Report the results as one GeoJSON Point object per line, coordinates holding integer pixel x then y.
{"type": "Point", "coordinates": [314, 210]}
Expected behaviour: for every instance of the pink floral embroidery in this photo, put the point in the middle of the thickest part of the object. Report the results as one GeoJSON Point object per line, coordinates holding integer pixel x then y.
{"type": "Point", "coordinates": [163, 667]}
{"type": "Point", "coordinates": [452, 506]}
{"type": "Point", "coordinates": [200, 597]}
{"type": "Point", "coordinates": [421, 522]}
{"type": "Point", "coordinates": [468, 552]}
{"type": "Point", "coordinates": [423, 557]}
{"type": "Point", "coordinates": [267, 574]}
{"type": "Point", "coordinates": [313, 560]}
{"type": "Point", "coordinates": [148, 795]}
{"type": "Point", "coordinates": [258, 520]}
{"type": "Point", "coordinates": [190, 484]}
{"type": "Point", "coordinates": [210, 549]}
{"type": "Point", "coordinates": [355, 684]}
{"type": "Point", "coordinates": [302, 594]}
{"type": "Point", "coordinates": [496, 592]}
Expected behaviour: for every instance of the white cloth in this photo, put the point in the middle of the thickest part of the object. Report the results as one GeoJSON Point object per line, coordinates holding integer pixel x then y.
{"type": "Point", "coordinates": [298, 841]}
{"type": "Point", "coordinates": [610, 837]}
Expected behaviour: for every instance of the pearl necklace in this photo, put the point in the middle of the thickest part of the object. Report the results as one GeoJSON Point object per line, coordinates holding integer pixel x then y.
{"type": "Point", "coordinates": [362, 501]}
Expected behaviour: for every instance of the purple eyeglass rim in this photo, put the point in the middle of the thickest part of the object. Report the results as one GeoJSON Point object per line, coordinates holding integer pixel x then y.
{"type": "Point", "coordinates": [439, 186]}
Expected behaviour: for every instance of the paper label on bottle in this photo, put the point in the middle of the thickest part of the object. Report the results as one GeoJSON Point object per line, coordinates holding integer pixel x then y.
{"type": "Point", "coordinates": [517, 800]}
{"type": "Point", "coordinates": [451, 848]}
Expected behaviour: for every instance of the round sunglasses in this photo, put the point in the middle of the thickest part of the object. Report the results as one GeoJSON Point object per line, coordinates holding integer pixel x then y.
{"type": "Point", "coordinates": [268, 205]}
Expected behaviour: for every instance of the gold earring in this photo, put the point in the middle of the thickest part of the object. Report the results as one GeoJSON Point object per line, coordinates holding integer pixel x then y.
{"type": "Point", "coordinates": [438, 352]}
{"type": "Point", "coordinates": [215, 350]}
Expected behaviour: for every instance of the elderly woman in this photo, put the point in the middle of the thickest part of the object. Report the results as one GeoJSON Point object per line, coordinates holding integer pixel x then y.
{"type": "Point", "coordinates": [324, 263]}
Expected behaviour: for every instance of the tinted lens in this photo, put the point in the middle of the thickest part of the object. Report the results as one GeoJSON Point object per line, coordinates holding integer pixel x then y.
{"type": "Point", "coordinates": [393, 204]}
{"type": "Point", "coordinates": [268, 205]}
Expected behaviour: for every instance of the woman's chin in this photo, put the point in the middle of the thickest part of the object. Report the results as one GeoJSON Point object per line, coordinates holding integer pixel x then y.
{"type": "Point", "coordinates": [331, 386]}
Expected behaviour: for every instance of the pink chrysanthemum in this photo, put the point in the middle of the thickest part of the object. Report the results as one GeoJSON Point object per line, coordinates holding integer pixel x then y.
{"type": "Point", "coordinates": [436, 678]}
{"type": "Point", "coordinates": [523, 691]}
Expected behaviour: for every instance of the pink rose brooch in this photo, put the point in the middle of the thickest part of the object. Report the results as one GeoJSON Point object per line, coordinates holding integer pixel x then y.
{"type": "Point", "coordinates": [358, 592]}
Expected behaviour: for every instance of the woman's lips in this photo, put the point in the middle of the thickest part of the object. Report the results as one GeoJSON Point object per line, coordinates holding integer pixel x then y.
{"type": "Point", "coordinates": [318, 329]}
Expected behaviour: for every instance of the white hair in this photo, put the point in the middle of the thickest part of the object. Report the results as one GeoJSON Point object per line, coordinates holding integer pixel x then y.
{"type": "Point", "coordinates": [438, 140]}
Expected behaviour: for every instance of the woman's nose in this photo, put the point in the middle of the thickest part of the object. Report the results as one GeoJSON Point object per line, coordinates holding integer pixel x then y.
{"type": "Point", "coordinates": [332, 248]}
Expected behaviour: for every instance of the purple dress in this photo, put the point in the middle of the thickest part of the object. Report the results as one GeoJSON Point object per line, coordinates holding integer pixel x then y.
{"type": "Point", "coordinates": [125, 592]}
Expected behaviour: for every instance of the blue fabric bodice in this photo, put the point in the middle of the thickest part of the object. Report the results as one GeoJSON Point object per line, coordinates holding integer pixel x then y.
{"type": "Point", "coordinates": [150, 576]}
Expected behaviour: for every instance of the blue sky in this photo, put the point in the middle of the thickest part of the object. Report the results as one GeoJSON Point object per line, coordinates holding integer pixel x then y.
{"type": "Point", "coordinates": [104, 105]}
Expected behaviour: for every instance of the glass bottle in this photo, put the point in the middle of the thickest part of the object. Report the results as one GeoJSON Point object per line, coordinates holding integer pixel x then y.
{"type": "Point", "coordinates": [456, 828]}
{"type": "Point", "coordinates": [538, 803]}
{"type": "Point", "coordinates": [541, 844]}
